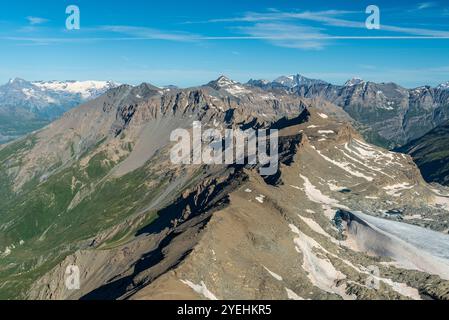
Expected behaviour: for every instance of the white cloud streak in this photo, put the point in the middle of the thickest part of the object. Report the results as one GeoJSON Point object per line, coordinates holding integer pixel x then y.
{"type": "Point", "coordinates": [426, 5]}
{"type": "Point", "coordinates": [143, 33]}
{"type": "Point", "coordinates": [287, 35]}
{"type": "Point", "coordinates": [36, 20]}
{"type": "Point", "coordinates": [330, 18]}
{"type": "Point", "coordinates": [282, 29]}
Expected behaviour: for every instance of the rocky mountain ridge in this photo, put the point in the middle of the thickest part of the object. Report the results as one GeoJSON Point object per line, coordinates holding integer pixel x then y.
{"type": "Point", "coordinates": [388, 114]}
{"type": "Point", "coordinates": [96, 189]}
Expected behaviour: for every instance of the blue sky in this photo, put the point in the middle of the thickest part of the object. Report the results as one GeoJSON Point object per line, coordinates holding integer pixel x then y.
{"type": "Point", "coordinates": [188, 43]}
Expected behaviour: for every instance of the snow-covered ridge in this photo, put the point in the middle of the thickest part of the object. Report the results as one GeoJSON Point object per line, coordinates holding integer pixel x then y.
{"type": "Point", "coordinates": [232, 87]}
{"type": "Point", "coordinates": [55, 97]}
{"type": "Point", "coordinates": [353, 82]}
{"type": "Point", "coordinates": [296, 80]}
{"type": "Point", "coordinates": [444, 86]}
{"type": "Point", "coordinates": [286, 81]}
{"type": "Point", "coordinates": [224, 82]}
{"type": "Point", "coordinates": [86, 88]}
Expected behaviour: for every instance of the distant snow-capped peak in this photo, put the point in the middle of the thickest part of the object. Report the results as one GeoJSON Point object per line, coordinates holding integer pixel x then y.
{"type": "Point", "coordinates": [354, 81]}
{"type": "Point", "coordinates": [444, 86]}
{"type": "Point", "coordinates": [297, 80]}
{"type": "Point", "coordinates": [17, 81]}
{"type": "Point", "coordinates": [224, 81]}
{"type": "Point", "coordinates": [86, 89]}
{"type": "Point", "coordinates": [46, 95]}
{"type": "Point", "coordinates": [233, 87]}
{"type": "Point", "coordinates": [288, 81]}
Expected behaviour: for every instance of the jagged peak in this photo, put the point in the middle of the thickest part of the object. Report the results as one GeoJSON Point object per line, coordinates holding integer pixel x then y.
{"type": "Point", "coordinates": [304, 140]}
{"type": "Point", "coordinates": [347, 133]}
{"type": "Point", "coordinates": [285, 78]}
{"type": "Point", "coordinates": [224, 81]}
{"type": "Point", "coordinates": [224, 84]}
{"type": "Point", "coordinates": [354, 81]}
{"type": "Point", "coordinates": [443, 86]}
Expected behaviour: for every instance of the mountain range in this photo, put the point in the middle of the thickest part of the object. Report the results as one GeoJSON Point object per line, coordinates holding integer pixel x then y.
{"type": "Point", "coordinates": [341, 218]}
{"type": "Point", "coordinates": [27, 106]}
{"type": "Point", "coordinates": [386, 113]}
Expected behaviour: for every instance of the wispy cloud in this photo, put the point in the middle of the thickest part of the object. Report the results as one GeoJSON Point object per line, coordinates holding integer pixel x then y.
{"type": "Point", "coordinates": [284, 25]}
{"type": "Point", "coordinates": [287, 35]}
{"type": "Point", "coordinates": [336, 22]}
{"type": "Point", "coordinates": [36, 20]}
{"type": "Point", "coordinates": [142, 33]}
{"type": "Point", "coordinates": [426, 5]}
{"type": "Point", "coordinates": [99, 34]}
{"type": "Point", "coordinates": [275, 15]}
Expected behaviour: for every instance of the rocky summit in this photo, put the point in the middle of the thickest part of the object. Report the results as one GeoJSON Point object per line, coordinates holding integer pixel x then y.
{"type": "Point", "coordinates": [341, 219]}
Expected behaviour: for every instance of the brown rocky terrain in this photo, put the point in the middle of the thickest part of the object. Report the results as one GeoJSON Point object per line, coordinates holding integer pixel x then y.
{"type": "Point", "coordinates": [96, 189]}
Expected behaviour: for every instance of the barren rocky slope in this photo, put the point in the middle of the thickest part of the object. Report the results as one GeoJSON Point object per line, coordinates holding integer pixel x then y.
{"type": "Point", "coordinates": [308, 237]}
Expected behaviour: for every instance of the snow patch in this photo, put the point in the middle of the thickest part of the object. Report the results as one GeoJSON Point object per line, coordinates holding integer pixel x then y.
{"type": "Point", "coordinates": [315, 195]}
{"type": "Point", "coordinates": [322, 115]}
{"type": "Point", "coordinates": [274, 275]}
{"type": "Point", "coordinates": [321, 272]}
{"type": "Point", "coordinates": [393, 190]}
{"type": "Point", "coordinates": [200, 289]}
{"type": "Point", "coordinates": [292, 295]}
{"type": "Point", "coordinates": [443, 202]}
{"type": "Point", "coordinates": [334, 187]}
{"type": "Point", "coordinates": [346, 167]}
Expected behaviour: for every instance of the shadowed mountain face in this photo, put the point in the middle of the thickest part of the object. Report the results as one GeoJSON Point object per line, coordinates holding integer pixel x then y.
{"type": "Point", "coordinates": [431, 154]}
{"type": "Point", "coordinates": [389, 114]}
{"type": "Point", "coordinates": [97, 189]}
{"type": "Point", "coordinates": [27, 106]}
